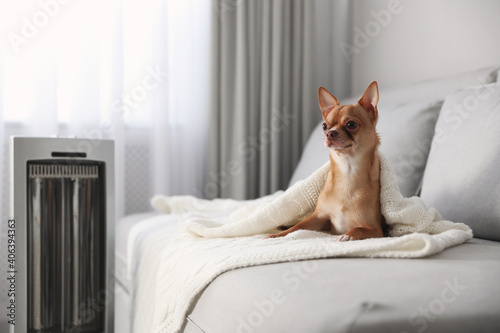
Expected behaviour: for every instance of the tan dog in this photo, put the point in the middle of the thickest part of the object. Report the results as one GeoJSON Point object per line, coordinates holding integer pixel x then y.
{"type": "Point", "coordinates": [349, 204]}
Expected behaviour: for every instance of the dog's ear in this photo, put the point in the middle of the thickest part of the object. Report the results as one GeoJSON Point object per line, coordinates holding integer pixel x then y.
{"type": "Point", "coordinates": [369, 99]}
{"type": "Point", "coordinates": [326, 101]}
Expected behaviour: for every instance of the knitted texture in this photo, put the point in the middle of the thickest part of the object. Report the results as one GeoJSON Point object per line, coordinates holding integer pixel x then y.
{"type": "Point", "coordinates": [204, 249]}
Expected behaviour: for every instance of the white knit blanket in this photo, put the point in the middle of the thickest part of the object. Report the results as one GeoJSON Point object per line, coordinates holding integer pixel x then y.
{"type": "Point", "coordinates": [204, 249]}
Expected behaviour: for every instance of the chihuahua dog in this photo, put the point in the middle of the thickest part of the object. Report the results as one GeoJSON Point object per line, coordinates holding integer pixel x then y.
{"type": "Point", "coordinates": [349, 203]}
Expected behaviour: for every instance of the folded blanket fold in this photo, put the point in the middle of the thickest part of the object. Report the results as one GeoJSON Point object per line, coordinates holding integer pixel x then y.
{"type": "Point", "coordinates": [203, 248]}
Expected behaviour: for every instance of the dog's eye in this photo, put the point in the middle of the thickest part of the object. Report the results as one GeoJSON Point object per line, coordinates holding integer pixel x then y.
{"type": "Point", "coordinates": [351, 125]}
{"type": "Point", "coordinates": [324, 126]}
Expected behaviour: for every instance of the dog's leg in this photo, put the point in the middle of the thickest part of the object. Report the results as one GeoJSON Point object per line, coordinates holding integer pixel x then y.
{"type": "Point", "coordinates": [312, 222]}
{"type": "Point", "coordinates": [361, 233]}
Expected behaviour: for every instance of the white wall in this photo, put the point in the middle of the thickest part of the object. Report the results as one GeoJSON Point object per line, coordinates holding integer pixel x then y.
{"type": "Point", "coordinates": [422, 39]}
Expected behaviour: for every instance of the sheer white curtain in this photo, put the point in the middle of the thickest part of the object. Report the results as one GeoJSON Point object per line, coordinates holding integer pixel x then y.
{"type": "Point", "coordinates": [130, 70]}
{"type": "Point", "coordinates": [111, 69]}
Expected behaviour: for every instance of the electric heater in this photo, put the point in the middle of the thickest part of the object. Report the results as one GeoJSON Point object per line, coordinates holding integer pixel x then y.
{"type": "Point", "coordinates": [63, 207]}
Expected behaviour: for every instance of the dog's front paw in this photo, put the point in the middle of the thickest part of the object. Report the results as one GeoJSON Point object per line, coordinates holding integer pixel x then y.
{"type": "Point", "coordinates": [276, 235]}
{"type": "Point", "coordinates": [344, 238]}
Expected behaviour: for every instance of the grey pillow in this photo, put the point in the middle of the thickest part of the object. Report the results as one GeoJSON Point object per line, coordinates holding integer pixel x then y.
{"type": "Point", "coordinates": [314, 155]}
{"type": "Point", "coordinates": [406, 132]}
{"type": "Point", "coordinates": [462, 178]}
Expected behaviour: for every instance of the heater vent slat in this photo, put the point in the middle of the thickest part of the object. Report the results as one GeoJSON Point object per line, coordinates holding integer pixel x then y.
{"type": "Point", "coordinates": [63, 171]}
{"type": "Point", "coordinates": [65, 246]}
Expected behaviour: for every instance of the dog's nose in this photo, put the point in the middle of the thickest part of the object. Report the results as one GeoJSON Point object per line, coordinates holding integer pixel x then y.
{"type": "Point", "coordinates": [332, 134]}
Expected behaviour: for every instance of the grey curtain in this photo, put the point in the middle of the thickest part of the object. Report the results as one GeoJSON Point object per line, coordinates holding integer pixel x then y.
{"type": "Point", "coordinates": [264, 94]}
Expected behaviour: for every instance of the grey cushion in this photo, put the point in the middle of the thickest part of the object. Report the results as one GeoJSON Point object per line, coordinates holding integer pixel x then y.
{"type": "Point", "coordinates": [454, 291]}
{"type": "Point", "coordinates": [462, 179]}
{"type": "Point", "coordinates": [314, 155]}
{"type": "Point", "coordinates": [406, 132]}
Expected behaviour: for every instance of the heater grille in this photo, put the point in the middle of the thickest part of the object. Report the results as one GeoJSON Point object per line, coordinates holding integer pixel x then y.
{"type": "Point", "coordinates": [63, 171]}
{"type": "Point", "coordinates": [66, 246]}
